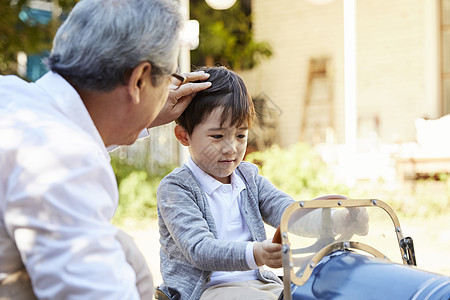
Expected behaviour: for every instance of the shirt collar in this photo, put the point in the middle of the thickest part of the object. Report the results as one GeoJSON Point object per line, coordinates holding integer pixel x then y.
{"type": "Point", "coordinates": [70, 104]}
{"type": "Point", "coordinates": [210, 184]}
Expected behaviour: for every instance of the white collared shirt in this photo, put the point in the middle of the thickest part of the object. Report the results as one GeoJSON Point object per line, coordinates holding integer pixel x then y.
{"type": "Point", "coordinates": [224, 201]}
{"type": "Point", "coordinates": [58, 194]}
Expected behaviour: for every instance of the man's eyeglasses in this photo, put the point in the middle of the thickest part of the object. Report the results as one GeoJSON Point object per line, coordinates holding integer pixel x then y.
{"type": "Point", "coordinates": [177, 81]}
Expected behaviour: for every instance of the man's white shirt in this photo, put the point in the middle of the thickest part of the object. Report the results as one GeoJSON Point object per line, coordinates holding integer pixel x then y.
{"type": "Point", "coordinates": [58, 194]}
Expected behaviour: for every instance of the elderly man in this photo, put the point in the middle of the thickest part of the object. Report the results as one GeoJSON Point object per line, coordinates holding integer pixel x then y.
{"type": "Point", "coordinates": [112, 76]}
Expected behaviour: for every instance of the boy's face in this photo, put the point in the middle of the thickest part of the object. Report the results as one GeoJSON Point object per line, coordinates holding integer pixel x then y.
{"type": "Point", "coordinates": [218, 150]}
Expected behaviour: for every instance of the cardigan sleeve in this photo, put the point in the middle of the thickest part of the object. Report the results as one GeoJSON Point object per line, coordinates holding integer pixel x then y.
{"type": "Point", "coordinates": [269, 200]}
{"type": "Point", "coordinates": [272, 201]}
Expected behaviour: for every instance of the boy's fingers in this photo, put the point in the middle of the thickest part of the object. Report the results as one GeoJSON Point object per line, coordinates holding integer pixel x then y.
{"type": "Point", "coordinates": [359, 223]}
{"type": "Point", "coordinates": [275, 256]}
{"type": "Point", "coordinates": [268, 253]}
{"type": "Point", "coordinates": [272, 247]}
{"type": "Point", "coordinates": [274, 263]}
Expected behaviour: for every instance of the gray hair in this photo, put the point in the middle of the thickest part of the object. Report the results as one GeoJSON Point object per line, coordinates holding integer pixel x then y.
{"type": "Point", "coordinates": [103, 40]}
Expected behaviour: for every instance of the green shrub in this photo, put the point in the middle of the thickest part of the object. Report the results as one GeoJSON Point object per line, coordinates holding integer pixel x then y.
{"type": "Point", "coordinates": [301, 173]}
{"type": "Point", "coordinates": [137, 196]}
{"type": "Point", "coordinates": [423, 198]}
{"type": "Point", "coordinates": [137, 192]}
{"type": "Point", "coordinates": [298, 171]}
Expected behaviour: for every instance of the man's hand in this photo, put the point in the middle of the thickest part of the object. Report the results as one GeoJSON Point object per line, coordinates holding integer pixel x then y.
{"type": "Point", "coordinates": [179, 99]}
{"type": "Point", "coordinates": [351, 220]}
{"type": "Point", "coordinates": [267, 253]}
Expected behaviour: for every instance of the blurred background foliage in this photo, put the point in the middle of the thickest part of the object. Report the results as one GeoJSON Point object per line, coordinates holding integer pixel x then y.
{"type": "Point", "coordinates": [137, 190]}
{"type": "Point", "coordinates": [226, 37]}
{"type": "Point", "coordinates": [21, 30]}
{"type": "Point", "coordinates": [297, 170]}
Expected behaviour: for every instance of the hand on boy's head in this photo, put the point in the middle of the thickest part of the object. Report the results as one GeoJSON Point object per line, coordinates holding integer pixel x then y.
{"type": "Point", "coordinates": [179, 99]}
{"type": "Point", "coordinates": [267, 253]}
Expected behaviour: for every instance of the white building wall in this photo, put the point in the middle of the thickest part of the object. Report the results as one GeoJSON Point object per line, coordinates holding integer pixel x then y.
{"type": "Point", "coordinates": [397, 62]}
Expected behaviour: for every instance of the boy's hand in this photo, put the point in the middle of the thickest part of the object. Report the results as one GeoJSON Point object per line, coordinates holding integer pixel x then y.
{"type": "Point", "coordinates": [267, 253]}
{"type": "Point", "coordinates": [352, 220]}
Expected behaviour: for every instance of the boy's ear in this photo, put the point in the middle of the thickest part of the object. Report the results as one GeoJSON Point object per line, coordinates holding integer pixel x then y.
{"type": "Point", "coordinates": [182, 135]}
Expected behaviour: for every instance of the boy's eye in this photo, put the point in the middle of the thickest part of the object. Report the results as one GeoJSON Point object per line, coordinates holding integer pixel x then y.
{"type": "Point", "coordinates": [216, 136]}
{"type": "Point", "coordinates": [241, 136]}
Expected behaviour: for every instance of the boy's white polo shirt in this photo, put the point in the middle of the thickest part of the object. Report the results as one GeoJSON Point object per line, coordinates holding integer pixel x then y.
{"type": "Point", "coordinates": [225, 201]}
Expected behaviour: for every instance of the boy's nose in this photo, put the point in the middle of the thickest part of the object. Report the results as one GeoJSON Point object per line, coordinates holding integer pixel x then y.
{"type": "Point", "coordinates": [229, 147]}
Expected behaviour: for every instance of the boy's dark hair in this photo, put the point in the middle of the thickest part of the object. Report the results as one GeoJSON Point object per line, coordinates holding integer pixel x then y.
{"type": "Point", "coordinates": [228, 90]}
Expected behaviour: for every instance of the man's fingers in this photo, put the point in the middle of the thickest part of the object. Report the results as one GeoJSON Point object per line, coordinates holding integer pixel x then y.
{"type": "Point", "coordinates": [194, 87]}
{"type": "Point", "coordinates": [188, 90]}
{"type": "Point", "coordinates": [180, 98]}
{"type": "Point", "coordinates": [194, 76]}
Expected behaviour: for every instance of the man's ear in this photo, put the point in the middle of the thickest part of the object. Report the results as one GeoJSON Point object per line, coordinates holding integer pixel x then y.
{"type": "Point", "coordinates": [182, 135]}
{"type": "Point", "coordinates": [140, 76]}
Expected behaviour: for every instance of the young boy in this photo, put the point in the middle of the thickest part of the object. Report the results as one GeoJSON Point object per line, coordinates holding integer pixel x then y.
{"type": "Point", "coordinates": [211, 210]}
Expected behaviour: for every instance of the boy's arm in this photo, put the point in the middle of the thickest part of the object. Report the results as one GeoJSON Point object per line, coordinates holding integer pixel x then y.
{"type": "Point", "coordinates": [272, 201]}
{"type": "Point", "coordinates": [190, 230]}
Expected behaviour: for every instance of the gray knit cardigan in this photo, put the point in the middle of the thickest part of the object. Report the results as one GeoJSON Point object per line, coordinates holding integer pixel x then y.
{"type": "Point", "coordinates": [190, 250]}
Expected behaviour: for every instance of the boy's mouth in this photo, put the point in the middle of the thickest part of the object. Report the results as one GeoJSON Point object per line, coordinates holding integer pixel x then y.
{"type": "Point", "coordinates": [226, 160]}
